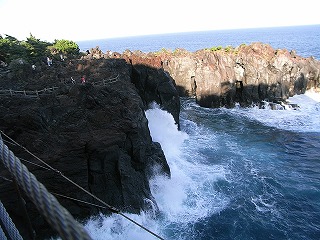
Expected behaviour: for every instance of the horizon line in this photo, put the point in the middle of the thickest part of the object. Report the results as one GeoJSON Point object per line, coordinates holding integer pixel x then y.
{"type": "Point", "coordinates": [196, 31]}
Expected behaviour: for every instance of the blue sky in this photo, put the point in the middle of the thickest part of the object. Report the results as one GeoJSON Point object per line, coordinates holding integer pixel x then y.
{"type": "Point", "coordinates": [97, 19]}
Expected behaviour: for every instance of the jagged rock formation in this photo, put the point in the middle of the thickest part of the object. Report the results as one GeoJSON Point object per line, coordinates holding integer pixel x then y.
{"type": "Point", "coordinates": [244, 74]}
{"type": "Point", "coordinates": [154, 84]}
{"type": "Point", "coordinates": [261, 72]}
{"type": "Point", "coordinates": [97, 136]}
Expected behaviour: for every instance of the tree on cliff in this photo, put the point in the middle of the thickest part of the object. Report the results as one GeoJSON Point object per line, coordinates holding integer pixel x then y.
{"type": "Point", "coordinates": [65, 47]}
{"type": "Point", "coordinates": [33, 50]}
{"type": "Point", "coordinates": [10, 49]}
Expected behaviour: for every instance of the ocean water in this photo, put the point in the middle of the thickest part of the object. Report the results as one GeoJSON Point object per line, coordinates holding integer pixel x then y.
{"type": "Point", "coordinates": [305, 40]}
{"type": "Point", "coordinates": [241, 173]}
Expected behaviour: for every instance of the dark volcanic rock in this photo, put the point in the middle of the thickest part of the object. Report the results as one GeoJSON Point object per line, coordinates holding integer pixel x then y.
{"type": "Point", "coordinates": [212, 76]}
{"type": "Point", "coordinates": [264, 74]}
{"type": "Point", "coordinates": [97, 136]}
{"type": "Point", "coordinates": [153, 83]}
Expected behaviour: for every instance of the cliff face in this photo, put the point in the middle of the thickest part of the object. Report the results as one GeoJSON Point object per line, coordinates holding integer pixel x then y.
{"type": "Point", "coordinates": [97, 135]}
{"type": "Point", "coordinates": [245, 74]}
{"type": "Point", "coordinates": [260, 72]}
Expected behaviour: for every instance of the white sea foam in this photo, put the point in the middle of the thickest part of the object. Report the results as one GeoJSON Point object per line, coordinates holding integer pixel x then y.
{"type": "Point", "coordinates": [164, 130]}
{"type": "Point", "coordinates": [262, 204]}
{"type": "Point", "coordinates": [304, 119]}
{"type": "Point", "coordinates": [189, 195]}
{"type": "Point", "coordinates": [313, 95]}
{"type": "Point", "coordinates": [115, 227]}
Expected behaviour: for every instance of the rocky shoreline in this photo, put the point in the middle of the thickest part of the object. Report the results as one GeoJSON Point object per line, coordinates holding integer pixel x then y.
{"type": "Point", "coordinates": [247, 74]}
{"type": "Point", "coordinates": [97, 134]}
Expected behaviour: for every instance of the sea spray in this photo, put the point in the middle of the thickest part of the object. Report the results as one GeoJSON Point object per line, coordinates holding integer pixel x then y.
{"type": "Point", "coordinates": [115, 227]}
{"type": "Point", "coordinates": [187, 197]}
{"type": "Point", "coordinates": [313, 95]}
{"type": "Point", "coordinates": [214, 175]}
{"type": "Point", "coordinates": [271, 162]}
{"type": "Point", "coordinates": [164, 130]}
{"type": "Point", "coordinates": [304, 119]}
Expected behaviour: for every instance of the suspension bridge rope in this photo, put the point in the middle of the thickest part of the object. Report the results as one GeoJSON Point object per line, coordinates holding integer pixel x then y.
{"type": "Point", "coordinates": [2, 235]}
{"type": "Point", "coordinates": [56, 215]}
{"type": "Point", "coordinates": [8, 224]}
{"type": "Point", "coordinates": [107, 206]}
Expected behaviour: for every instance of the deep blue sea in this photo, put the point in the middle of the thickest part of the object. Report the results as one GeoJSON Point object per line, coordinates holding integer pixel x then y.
{"type": "Point", "coordinates": [242, 173]}
{"type": "Point", "coordinates": [304, 39]}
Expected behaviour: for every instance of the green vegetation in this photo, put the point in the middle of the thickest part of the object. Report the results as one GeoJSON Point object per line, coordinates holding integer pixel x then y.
{"type": "Point", "coordinates": [34, 50]}
{"type": "Point", "coordinates": [213, 49]}
{"type": "Point", "coordinates": [228, 49]}
{"type": "Point", "coordinates": [10, 48]}
{"type": "Point", "coordinates": [65, 46]}
{"type": "Point", "coordinates": [218, 48]}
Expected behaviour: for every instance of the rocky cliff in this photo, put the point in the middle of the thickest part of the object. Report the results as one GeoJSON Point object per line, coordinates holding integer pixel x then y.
{"type": "Point", "coordinates": [246, 74]}
{"type": "Point", "coordinates": [95, 133]}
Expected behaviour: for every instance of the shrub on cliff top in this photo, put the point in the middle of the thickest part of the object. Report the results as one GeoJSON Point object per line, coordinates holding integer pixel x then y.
{"type": "Point", "coordinates": [228, 49]}
{"type": "Point", "coordinates": [66, 46]}
{"type": "Point", "coordinates": [213, 49]}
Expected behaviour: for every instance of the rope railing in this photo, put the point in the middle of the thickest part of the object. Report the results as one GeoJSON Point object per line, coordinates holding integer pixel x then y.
{"type": "Point", "coordinates": [105, 82]}
{"type": "Point", "coordinates": [37, 93]}
{"type": "Point", "coordinates": [56, 215]}
{"type": "Point", "coordinates": [8, 224]}
{"type": "Point", "coordinates": [2, 235]}
{"type": "Point", "coordinates": [27, 93]}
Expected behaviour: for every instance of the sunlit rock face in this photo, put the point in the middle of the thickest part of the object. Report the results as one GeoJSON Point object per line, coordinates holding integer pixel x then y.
{"type": "Point", "coordinates": [245, 74]}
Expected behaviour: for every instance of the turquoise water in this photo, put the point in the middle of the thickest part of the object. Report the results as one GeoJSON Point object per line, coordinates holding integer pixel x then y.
{"type": "Point", "coordinates": [304, 39]}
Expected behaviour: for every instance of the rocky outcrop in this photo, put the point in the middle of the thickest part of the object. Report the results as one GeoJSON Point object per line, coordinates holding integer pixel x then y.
{"type": "Point", "coordinates": [154, 84]}
{"type": "Point", "coordinates": [97, 135]}
{"type": "Point", "coordinates": [246, 74]}
{"type": "Point", "coordinates": [221, 77]}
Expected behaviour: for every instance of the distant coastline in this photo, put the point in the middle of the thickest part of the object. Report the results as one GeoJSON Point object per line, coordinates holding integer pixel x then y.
{"type": "Point", "coordinates": [305, 40]}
